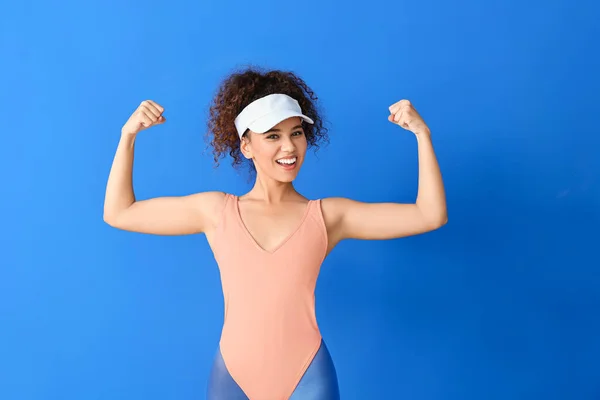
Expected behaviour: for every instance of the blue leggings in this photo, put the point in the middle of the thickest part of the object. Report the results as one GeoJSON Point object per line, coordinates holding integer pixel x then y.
{"type": "Point", "coordinates": [319, 382]}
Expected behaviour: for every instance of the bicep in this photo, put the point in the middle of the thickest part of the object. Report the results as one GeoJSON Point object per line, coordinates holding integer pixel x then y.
{"type": "Point", "coordinates": [176, 215]}
{"type": "Point", "coordinates": [379, 221]}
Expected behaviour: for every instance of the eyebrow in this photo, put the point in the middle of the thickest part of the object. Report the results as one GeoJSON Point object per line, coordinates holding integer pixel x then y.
{"type": "Point", "coordinates": [279, 130]}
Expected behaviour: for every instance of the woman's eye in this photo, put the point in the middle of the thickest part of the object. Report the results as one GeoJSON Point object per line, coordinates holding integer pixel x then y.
{"type": "Point", "coordinates": [275, 136]}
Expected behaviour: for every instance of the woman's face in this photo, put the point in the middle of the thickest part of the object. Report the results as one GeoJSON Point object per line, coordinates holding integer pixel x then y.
{"type": "Point", "coordinates": [278, 153]}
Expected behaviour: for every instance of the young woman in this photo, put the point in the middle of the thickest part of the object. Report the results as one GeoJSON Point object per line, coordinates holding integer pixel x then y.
{"type": "Point", "coordinates": [270, 242]}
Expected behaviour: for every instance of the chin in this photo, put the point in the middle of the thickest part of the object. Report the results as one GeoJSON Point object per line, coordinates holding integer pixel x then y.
{"type": "Point", "coordinates": [286, 173]}
{"type": "Point", "coordinates": [286, 179]}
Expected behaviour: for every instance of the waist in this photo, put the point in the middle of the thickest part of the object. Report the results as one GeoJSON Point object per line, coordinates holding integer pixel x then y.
{"type": "Point", "coordinates": [278, 317]}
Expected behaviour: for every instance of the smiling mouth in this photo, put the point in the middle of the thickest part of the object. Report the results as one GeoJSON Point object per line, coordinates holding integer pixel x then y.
{"type": "Point", "coordinates": [287, 163]}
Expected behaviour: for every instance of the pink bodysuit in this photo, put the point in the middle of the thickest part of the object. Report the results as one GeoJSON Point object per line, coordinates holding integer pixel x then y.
{"type": "Point", "coordinates": [270, 333]}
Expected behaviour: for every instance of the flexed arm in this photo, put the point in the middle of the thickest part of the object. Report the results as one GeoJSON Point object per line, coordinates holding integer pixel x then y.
{"type": "Point", "coordinates": [347, 218]}
{"type": "Point", "coordinates": [161, 215]}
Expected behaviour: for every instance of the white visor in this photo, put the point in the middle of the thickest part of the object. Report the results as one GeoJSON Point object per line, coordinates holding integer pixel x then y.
{"type": "Point", "coordinates": [266, 112]}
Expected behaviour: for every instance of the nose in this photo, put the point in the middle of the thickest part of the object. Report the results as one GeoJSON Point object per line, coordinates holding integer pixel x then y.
{"type": "Point", "coordinates": [288, 145]}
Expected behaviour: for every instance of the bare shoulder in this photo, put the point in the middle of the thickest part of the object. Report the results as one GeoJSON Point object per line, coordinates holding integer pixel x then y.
{"type": "Point", "coordinates": [208, 201]}
{"type": "Point", "coordinates": [209, 204]}
{"type": "Point", "coordinates": [333, 209]}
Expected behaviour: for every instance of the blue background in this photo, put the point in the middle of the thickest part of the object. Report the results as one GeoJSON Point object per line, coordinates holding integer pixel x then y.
{"type": "Point", "coordinates": [501, 303]}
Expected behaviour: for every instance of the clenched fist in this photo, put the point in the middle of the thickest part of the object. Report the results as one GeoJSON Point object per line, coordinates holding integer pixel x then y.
{"type": "Point", "coordinates": [147, 115]}
{"type": "Point", "coordinates": [404, 114]}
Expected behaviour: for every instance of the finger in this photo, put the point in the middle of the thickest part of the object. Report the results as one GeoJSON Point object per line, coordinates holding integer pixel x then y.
{"type": "Point", "coordinates": [153, 117]}
{"type": "Point", "coordinates": [150, 112]}
{"type": "Point", "coordinates": [155, 104]}
{"type": "Point", "coordinates": [394, 108]}
{"type": "Point", "coordinates": [398, 116]}
{"type": "Point", "coordinates": [161, 120]}
{"type": "Point", "coordinates": [150, 108]}
{"type": "Point", "coordinates": [158, 106]}
{"type": "Point", "coordinates": [405, 106]}
{"type": "Point", "coordinates": [145, 120]}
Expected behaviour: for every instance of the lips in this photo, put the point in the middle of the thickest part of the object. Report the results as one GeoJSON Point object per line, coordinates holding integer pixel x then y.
{"type": "Point", "coordinates": [287, 163]}
{"type": "Point", "coordinates": [287, 160]}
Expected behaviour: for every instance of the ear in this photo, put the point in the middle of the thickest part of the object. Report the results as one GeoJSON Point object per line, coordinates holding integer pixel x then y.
{"type": "Point", "coordinates": [245, 147]}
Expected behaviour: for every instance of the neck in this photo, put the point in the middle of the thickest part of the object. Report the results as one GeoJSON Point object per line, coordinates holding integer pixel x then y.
{"type": "Point", "coordinates": [272, 191]}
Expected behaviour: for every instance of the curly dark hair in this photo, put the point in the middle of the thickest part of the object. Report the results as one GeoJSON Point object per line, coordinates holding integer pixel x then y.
{"type": "Point", "coordinates": [244, 86]}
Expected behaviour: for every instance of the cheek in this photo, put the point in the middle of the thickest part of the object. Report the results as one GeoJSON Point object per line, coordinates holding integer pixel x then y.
{"type": "Point", "coordinates": [302, 145]}
{"type": "Point", "coordinates": [264, 153]}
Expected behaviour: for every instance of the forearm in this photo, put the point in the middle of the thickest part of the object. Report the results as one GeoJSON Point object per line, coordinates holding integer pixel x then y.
{"type": "Point", "coordinates": [431, 197]}
{"type": "Point", "coordinates": [119, 188]}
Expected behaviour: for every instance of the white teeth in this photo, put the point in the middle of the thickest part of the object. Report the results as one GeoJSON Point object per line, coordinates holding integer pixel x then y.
{"type": "Point", "coordinates": [287, 161]}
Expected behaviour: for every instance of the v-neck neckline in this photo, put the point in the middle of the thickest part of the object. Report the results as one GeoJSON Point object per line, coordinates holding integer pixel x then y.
{"type": "Point", "coordinates": [283, 242]}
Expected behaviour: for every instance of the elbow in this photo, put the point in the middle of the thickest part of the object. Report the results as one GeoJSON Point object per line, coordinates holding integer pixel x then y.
{"type": "Point", "coordinates": [110, 218]}
{"type": "Point", "coordinates": [443, 221]}
{"type": "Point", "coordinates": [437, 224]}
{"type": "Point", "coordinates": [113, 215]}
{"type": "Point", "coordinates": [435, 219]}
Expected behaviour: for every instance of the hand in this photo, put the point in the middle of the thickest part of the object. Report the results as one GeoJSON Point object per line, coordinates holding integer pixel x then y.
{"type": "Point", "coordinates": [147, 115]}
{"type": "Point", "coordinates": [404, 114]}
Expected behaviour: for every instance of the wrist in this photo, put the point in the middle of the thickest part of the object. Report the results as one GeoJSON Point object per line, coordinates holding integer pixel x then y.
{"type": "Point", "coordinates": [424, 133]}
{"type": "Point", "coordinates": [128, 135]}
{"type": "Point", "coordinates": [128, 138]}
